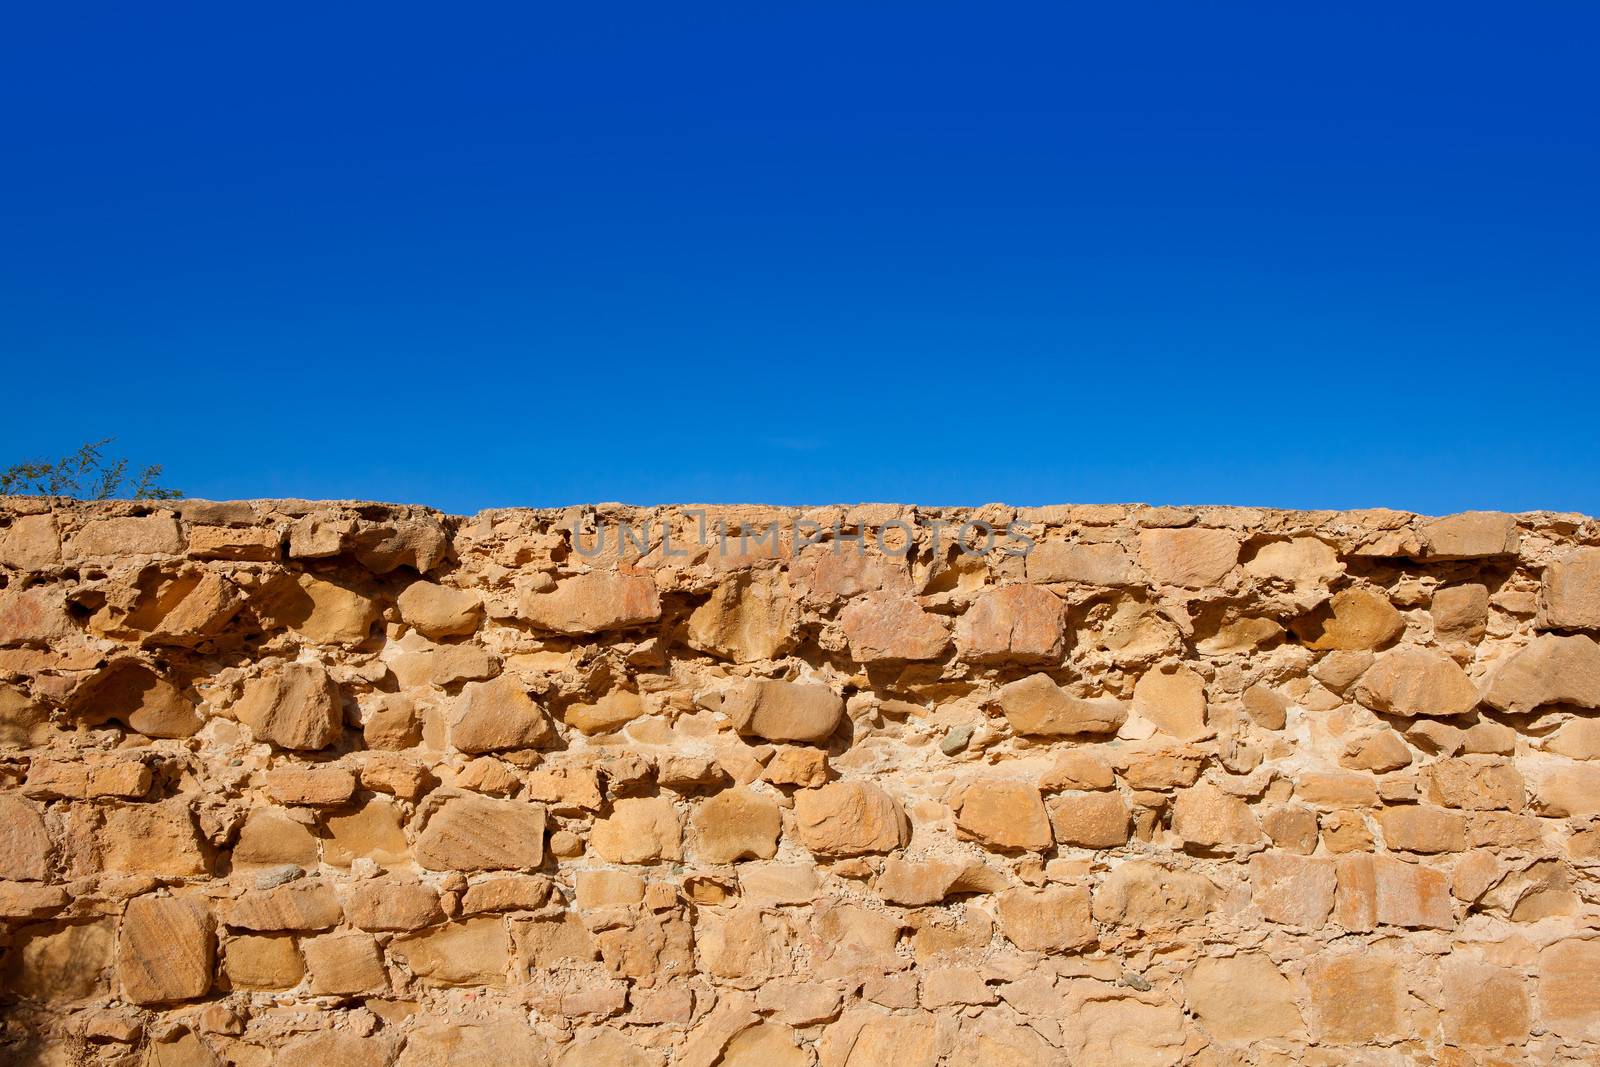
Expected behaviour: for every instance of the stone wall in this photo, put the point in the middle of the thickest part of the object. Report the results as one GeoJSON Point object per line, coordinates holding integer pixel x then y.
{"type": "Point", "coordinates": [360, 785]}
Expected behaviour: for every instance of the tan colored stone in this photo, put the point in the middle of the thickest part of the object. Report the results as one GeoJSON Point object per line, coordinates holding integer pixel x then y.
{"type": "Point", "coordinates": [1192, 557]}
{"type": "Point", "coordinates": [165, 950]}
{"type": "Point", "coordinates": [1568, 974]}
{"type": "Point", "coordinates": [315, 785]}
{"type": "Point", "coordinates": [371, 830]}
{"type": "Point", "coordinates": [157, 839]}
{"type": "Point", "coordinates": [1205, 815]}
{"type": "Point", "coordinates": [271, 837]}
{"type": "Point", "coordinates": [439, 611]}
{"type": "Point", "coordinates": [1083, 564]}
{"type": "Point", "coordinates": [612, 711]}
{"type": "Point", "coordinates": [1561, 788]}
{"type": "Point", "coordinates": [474, 833]}
{"type": "Point", "coordinates": [393, 904]}
{"type": "Point", "coordinates": [1017, 623]}
{"type": "Point", "coordinates": [26, 853]}
{"type": "Point", "coordinates": [1089, 820]}
{"type": "Point", "coordinates": [870, 1037]}
{"type": "Point", "coordinates": [303, 905]}
{"type": "Point", "coordinates": [593, 603]}
{"type": "Point", "coordinates": [1337, 789]}
{"type": "Point", "coordinates": [850, 818]}
{"type": "Point", "coordinates": [885, 628]}
{"type": "Point", "coordinates": [1077, 769]}
{"type": "Point", "coordinates": [318, 610]}
{"type": "Point", "coordinates": [1243, 998]}
{"type": "Point", "coordinates": [1469, 535]}
{"type": "Point", "coordinates": [1475, 783]}
{"type": "Point", "coordinates": [1484, 1005]}
{"type": "Point", "coordinates": [1299, 560]}
{"type": "Point", "coordinates": [1296, 891]}
{"type": "Point", "coordinates": [391, 722]}
{"type": "Point", "coordinates": [1356, 619]}
{"type": "Point", "coordinates": [1035, 706]}
{"type": "Point", "coordinates": [498, 715]}
{"type": "Point", "coordinates": [145, 535]}
{"type": "Point", "coordinates": [1550, 670]}
{"type": "Point", "coordinates": [783, 711]}
{"type": "Point", "coordinates": [1569, 597]}
{"type": "Point", "coordinates": [35, 616]}
{"type": "Point", "coordinates": [639, 830]}
{"type": "Point", "coordinates": [295, 706]}
{"type": "Point", "coordinates": [1175, 701]}
{"type": "Point", "coordinates": [751, 615]}
{"type": "Point", "coordinates": [1409, 681]}
{"type": "Point", "coordinates": [1291, 827]}
{"type": "Point", "coordinates": [1053, 919]}
{"type": "Point", "coordinates": [1380, 750]}
{"type": "Point", "coordinates": [58, 963]}
{"type": "Point", "coordinates": [1266, 707]}
{"type": "Point", "coordinates": [344, 964]}
{"type": "Point", "coordinates": [1004, 815]}
{"type": "Point", "coordinates": [1356, 998]}
{"type": "Point", "coordinates": [468, 953]}
{"type": "Point", "coordinates": [1419, 828]}
{"type": "Point", "coordinates": [336, 1049]}
{"type": "Point", "coordinates": [253, 962]}
{"type": "Point", "coordinates": [1146, 895]}
{"type": "Point", "coordinates": [599, 1047]}
{"type": "Point", "coordinates": [504, 1042]}
{"type": "Point", "coordinates": [797, 765]}
{"type": "Point", "coordinates": [737, 824]}
{"type": "Point", "coordinates": [30, 542]}
{"type": "Point", "coordinates": [1460, 612]}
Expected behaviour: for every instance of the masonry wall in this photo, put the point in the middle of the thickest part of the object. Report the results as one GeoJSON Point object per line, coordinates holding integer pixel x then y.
{"type": "Point", "coordinates": [349, 784]}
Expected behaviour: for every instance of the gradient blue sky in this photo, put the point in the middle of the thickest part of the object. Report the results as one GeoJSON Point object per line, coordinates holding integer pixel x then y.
{"type": "Point", "coordinates": [475, 256]}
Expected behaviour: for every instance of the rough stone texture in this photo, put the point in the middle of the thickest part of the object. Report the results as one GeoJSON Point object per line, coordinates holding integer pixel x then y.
{"type": "Point", "coordinates": [368, 785]}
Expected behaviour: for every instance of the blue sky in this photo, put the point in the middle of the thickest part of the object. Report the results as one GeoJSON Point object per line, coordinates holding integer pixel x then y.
{"type": "Point", "coordinates": [477, 256]}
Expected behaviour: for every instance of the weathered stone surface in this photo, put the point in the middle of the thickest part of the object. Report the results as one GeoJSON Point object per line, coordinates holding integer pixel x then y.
{"type": "Point", "coordinates": [1550, 670]}
{"type": "Point", "coordinates": [165, 950]}
{"type": "Point", "coordinates": [1355, 619]}
{"type": "Point", "coordinates": [881, 628]}
{"type": "Point", "coordinates": [1411, 681]}
{"type": "Point", "coordinates": [497, 715]}
{"type": "Point", "coordinates": [1241, 999]}
{"type": "Point", "coordinates": [783, 711]}
{"type": "Point", "coordinates": [850, 819]}
{"type": "Point", "coordinates": [435, 610]}
{"type": "Point", "coordinates": [295, 706]}
{"type": "Point", "coordinates": [593, 603]}
{"type": "Point", "coordinates": [1470, 535]}
{"type": "Point", "coordinates": [1021, 623]}
{"type": "Point", "coordinates": [1035, 706]}
{"type": "Point", "coordinates": [1005, 815]}
{"type": "Point", "coordinates": [1236, 802]}
{"type": "Point", "coordinates": [479, 834]}
{"type": "Point", "coordinates": [639, 830]}
{"type": "Point", "coordinates": [737, 824]}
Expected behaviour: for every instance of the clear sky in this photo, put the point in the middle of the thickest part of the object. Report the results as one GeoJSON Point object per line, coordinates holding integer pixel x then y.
{"type": "Point", "coordinates": [469, 256]}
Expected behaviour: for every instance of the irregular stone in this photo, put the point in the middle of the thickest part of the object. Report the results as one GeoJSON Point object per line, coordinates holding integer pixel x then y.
{"type": "Point", "coordinates": [437, 611]}
{"type": "Point", "coordinates": [1090, 820]}
{"type": "Point", "coordinates": [1296, 891]}
{"type": "Point", "coordinates": [750, 616]}
{"type": "Point", "coordinates": [1460, 612]}
{"type": "Point", "coordinates": [475, 833]}
{"type": "Point", "coordinates": [883, 628]}
{"type": "Point", "coordinates": [30, 542]}
{"type": "Point", "coordinates": [1355, 998]}
{"type": "Point", "coordinates": [318, 610]}
{"type": "Point", "coordinates": [165, 950]}
{"type": "Point", "coordinates": [1191, 557]}
{"type": "Point", "coordinates": [1419, 828]}
{"type": "Point", "coordinates": [1266, 707]}
{"type": "Point", "coordinates": [310, 785]}
{"type": "Point", "coordinates": [1569, 598]}
{"type": "Point", "coordinates": [737, 824]}
{"type": "Point", "coordinates": [26, 853]}
{"type": "Point", "coordinates": [1356, 619]}
{"type": "Point", "coordinates": [505, 1042]}
{"type": "Point", "coordinates": [1475, 783]}
{"type": "Point", "coordinates": [639, 830]}
{"type": "Point", "coordinates": [304, 905]}
{"type": "Point", "coordinates": [1004, 815]}
{"type": "Point", "coordinates": [370, 830]}
{"type": "Point", "coordinates": [1469, 535]}
{"type": "Point", "coordinates": [295, 706]}
{"type": "Point", "coordinates": [270, 837]}
{"type": "Point", "coordinates": [34, 616]}
{"type": "Point", "coordinates": [253, 962]}
{"type": "Point", "coordinates": [1409, 681]}
{"type": "Point", "coordinates": [498, 715]}
{"type": "Point", "coordinates": [783, 711]}
{"type": "Point", "coordinates": [1035, 706]}
{"type": "Point", "coordinates": [144, 535]}
{"type": "Point", "coordinates": [345, 964]}
{"type": "Point", "coordinates": [1243, 998]}
{"type": "Point", "coordinates": [1568, 973]}
{"type": "Point", "coordinates": [394, 904]}
{"type": "Point", "coordinates": [593, 603]}
{"type": "Point", "coordinates": [1175, 701]}
{"type": "Point", "coordinates": [850, 818]}
{"type": "Point", "coordinates": [1148, 896]}
{"type": "Point", "coordinates": [139, 698]}
{"type": "Point", "coordinates": [1564, 789]}
{"type": "Point", "coordinates": [1017, 623]}
{"type": "Point", "coordinates": [155, 839]}
{"type": "Point", "coordinates": [1300, 560]}
{"type": "Point", "coordinates": [1205, 815]}
{"type": "Point", "coordinates": [59, 964]}
{"type": "Point", "coordinates": [1550, 670]}
{"type": "Point", "coordinates": [1052, 919]}
{"type": "Point", "coordinates": [1084, 564]}
{"type": "Point", "coordinates": [1484, 1005]}
{"type": "Point", "coordinates": [611, 712]}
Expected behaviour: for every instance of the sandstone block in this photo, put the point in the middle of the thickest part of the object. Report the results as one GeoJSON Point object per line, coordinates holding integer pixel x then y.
{"type": "Point", "coordinates": [850, 818]}
{"type": "Point", "coordinates": [26, 853]}
{"type": "Point", "coordinates": [498, 715]}
{"type": "Point", "coordinates": [1084, 564]}
{"type": "Point", "coordinates": [295, 706]}
{"type": "Point", "coordinates": [1470, 535]}
{"type": "Point", "coordinates": [1005, 815]}
{"type": "Point", "coordinates": [1053, 919]}
{"type": "Point", "coordinates": [1356, 998]}
{"type": "Point", "coordinates": [165, 950]}
{"type": "Point", "coordinates": [1569, 598]}
{"type": "Point", "coordinates": [1089, 820]}
{"type": "Point", "coordinates": [1568, 974]}
{"type": "Point", "coordinates": [1409, 681]}
{"type": "Point", "coordinates": [303, 905]}
{"type": "Point", "coordinates": [1146, 895]}
{"type": "Point", "coordinates": [1175, 701]}
{"type": "Point", "coordinates": [393, 904]}
{"type": "Point", "coordinates": [593, 603]}
{"type": "Point", "coordinates": [344, 964]}
{"type": "Point", "coordinates": [1484, 1005]}
{"type": "Point", "coordinates": [1295, 891]}
{"type": "Point", "coordinates": [1017, 623]}
{"type": "Point", "coordinates": [1243, 998]}
{"type": "Point", "coordinates": [480, 834]}
{"type": "Point", "coordinates": [258, 963]}
{"type": "Point", "coordinates": [737, 824]}
{"type": "Point", "coordinates": [1355, 619]}
{"type": "Point", "coordinates": [1205, 815]}
{"type": "Point", "coordinates": [1420, 828]}
{"type": "Point", "coordinates": [882, 628]}
{"type": "Point", "coordinates": [639, 830]}
{"type": "Point", "coordinates": [436, 611]}
{"type": "Point", "coordinates": [144, 535]}
{"type": "Point", "coordinates": [783, 711]}
{"type": "Point", "coordinates": [1191, 557]}
{"type": "Point", "coordinates": [1550, 670]}
{"type": "Point", "coordinates": [1035, 706]}
{"type": "Point", "coordinates": [751, 615]}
